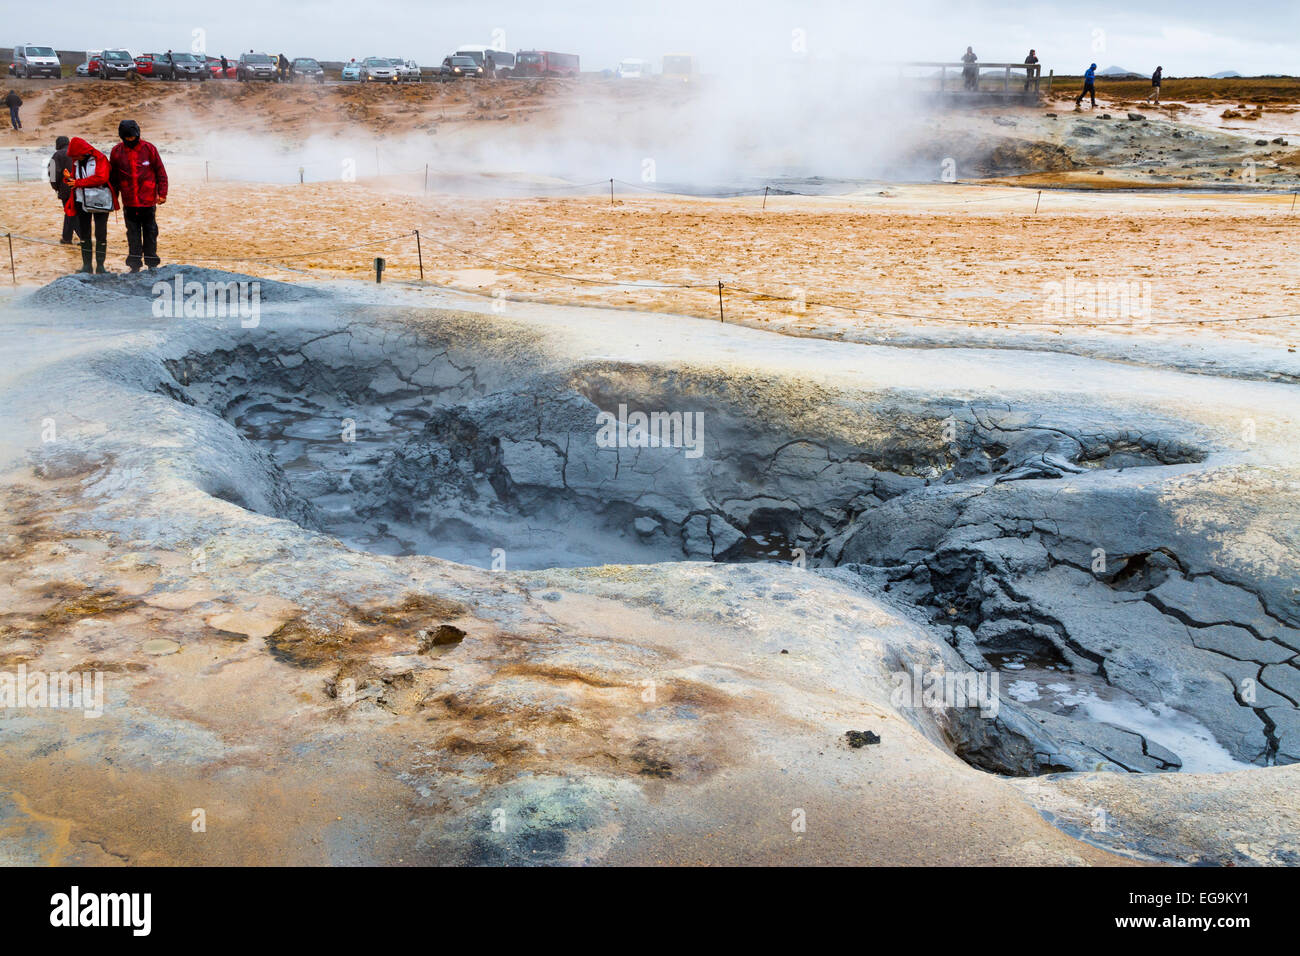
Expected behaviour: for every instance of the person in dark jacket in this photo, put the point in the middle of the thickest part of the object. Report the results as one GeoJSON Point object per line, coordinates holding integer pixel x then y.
{"type": "Point", "coordinates": [90, 199]}
{"type": "Point", "coordinates": [59, 163]}
{"type": "Point", "coordinates": [225, 65]}
{"type": "Point", "coordinates": [1031, 69]}
{"type": "Point", "coordinates": [284, 68]}
{"type": "Point", "coordinates": [13, 101]}
{"type": "Point", "coordinates": [1089, 88]}
{"type": "Point", "coordinates": [970, 73]}
{"type": "Point", "coordinates": [1156, 79]}
{"type": "Point", "coordinates": [139, 177]}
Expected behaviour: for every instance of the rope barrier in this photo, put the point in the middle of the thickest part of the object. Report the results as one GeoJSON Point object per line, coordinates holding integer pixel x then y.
{"type": "Point", "coordinates": [275, 262]}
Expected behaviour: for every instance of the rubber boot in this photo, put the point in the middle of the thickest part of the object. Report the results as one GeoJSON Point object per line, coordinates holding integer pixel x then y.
{"type": "Point", "coordinates": [86, 255]}
{"type": "Point", "coordinates": [101, 253]}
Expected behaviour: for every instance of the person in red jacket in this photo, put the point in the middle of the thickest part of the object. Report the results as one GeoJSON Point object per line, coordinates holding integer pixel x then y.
{"type": "Point", "coordinates": [139, 177]}
{"type": "Point", "coordinates": [90, 199]}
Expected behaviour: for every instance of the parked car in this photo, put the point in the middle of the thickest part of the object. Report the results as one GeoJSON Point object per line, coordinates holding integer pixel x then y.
{"type": "Point", "coordinates": [256, 66]}
{"type": "Point", "coordinates": [406, 69]}
{"type": "Point", "coordinates": [545, 63]}
{"type": "Point", "coordinates": [458, 67]}
{"type": "Point", "coordinates": [305, 68]}
{"type": "Point", "coordinates": [111, 63]}
{"type": "Point", "coordinates": [144, 64]}
{"type": "Point", "coordinates": [179, 66]}
{"type": "Point", "coordinates": [31, 61]}
{"type": "Point", "coordinates": [214, 69]}
{"type": "Point", "coordinates": [351, 71]}
{"type": "Point", "coordinates": [633, 69]}
{"type": "Point", "coordinates": [83, 69]}
{"type": "Point", "coordinates": [378, 68]}
{"type": "Point", "coordinates": [499, 63]}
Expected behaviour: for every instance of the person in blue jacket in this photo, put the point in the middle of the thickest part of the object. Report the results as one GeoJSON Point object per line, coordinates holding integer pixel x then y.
{"type": "Point", "coordinates": [1089, 88]}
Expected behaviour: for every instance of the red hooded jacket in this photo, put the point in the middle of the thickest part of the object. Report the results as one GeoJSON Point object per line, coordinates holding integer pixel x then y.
{"type": "Point", "coordinates": [78, 150]}
{"type": "Point", "coordinates": [138, 173]}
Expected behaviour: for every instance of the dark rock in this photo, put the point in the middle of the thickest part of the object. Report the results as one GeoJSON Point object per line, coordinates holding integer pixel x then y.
{"type": "Point", "coordinates": [861, 738]}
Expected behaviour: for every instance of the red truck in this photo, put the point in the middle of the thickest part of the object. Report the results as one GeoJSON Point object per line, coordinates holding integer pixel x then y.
{"type": "Point", "coordinates": [545, 63]}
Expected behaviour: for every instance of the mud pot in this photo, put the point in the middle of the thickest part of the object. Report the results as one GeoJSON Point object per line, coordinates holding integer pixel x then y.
{"type": "Point", "coordinates": [473, 543]}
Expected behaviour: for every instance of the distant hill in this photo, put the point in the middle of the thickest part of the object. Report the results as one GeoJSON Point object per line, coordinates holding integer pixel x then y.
{"type": "Point", "coordinates": [1118, 71]}
{"type": "Point", "coordinates": [1225, 75]}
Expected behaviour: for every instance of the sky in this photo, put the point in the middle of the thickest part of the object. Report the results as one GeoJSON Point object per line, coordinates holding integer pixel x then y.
{"type": "Point", "coordinates": [1186, 37]}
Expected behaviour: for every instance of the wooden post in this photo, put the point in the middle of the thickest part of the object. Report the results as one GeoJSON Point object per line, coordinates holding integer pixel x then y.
{"type": "Point", "coordinates": [299, 175]}
{"type": "Point", "coordinates": [205, 171]}
{"type": "Point", "coordinates": [379, 269]}
{"type": "Point", "coordinates": [1037, 201]}
{"type": "Point", "coordinates": [419, 253]}
{"type": "Point", "coordinates": [721, 317]}
{"type": "Point", "coordinates": [1050, 74]}
{"type": "Point", "coordinates": [18, 173]}
{"type": "Point", "coordinates": [943, 79]}
{"type": "Point", "coordinates": [13, 273]}
{"type": "Point", "coordinates": [765, 197]}
{"type": "Point", "coordinates": [611, 191]}
{"type": "Point", "coordinates": [1006, 81]}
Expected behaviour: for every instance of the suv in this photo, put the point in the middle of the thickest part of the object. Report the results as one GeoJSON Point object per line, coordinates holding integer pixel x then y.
{"type": "Point", "coordinates": [458, 67]}
{"type": "Point", "coordinates": [304, 67]}
{"type": "Point", "coordinates": [378, 68]}
{"type": "Point", "coordinates": [111, 63]}
{"type": "Point", "coordinates": [32, 61]}
{"type": "Point", "coordinates": [257, 66]}
{"type": "Point", "coordinates": [179, 66]}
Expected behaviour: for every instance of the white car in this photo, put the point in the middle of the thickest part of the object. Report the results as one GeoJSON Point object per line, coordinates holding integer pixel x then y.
{"type": "Point", "coordinates": [378, 68]}
{"type": "Point", "coordinates": [406, 69]}
{"type": "Point", "coordinates": [633, 69]}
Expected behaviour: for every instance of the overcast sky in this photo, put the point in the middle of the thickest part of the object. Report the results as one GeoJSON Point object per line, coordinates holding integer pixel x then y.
{"type": "Point", "coordinates": [1185, 36]}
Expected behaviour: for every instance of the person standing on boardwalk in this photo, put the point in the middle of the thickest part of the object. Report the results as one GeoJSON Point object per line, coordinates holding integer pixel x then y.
{"type": "Point", "coordinates": [140, 178]}
{"type": "Point", "coordinates": [1089, 88]}
{"type": "Point", "coordinates": [1031, 69]}
{"type": "Point", "coordinates": [970, 72]}
{"type": "Point", "coordinates": [1156, 79]}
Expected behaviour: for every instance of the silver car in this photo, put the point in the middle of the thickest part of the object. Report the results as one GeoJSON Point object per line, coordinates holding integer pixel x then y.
{"type": "Point", "coordinates": [378, 68]}
{"type": "Point", "coordinates": [406, 69]}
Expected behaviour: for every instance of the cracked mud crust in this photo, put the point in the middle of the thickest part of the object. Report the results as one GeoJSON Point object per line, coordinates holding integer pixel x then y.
{"type": "Point", "coordinates": [651, 677]}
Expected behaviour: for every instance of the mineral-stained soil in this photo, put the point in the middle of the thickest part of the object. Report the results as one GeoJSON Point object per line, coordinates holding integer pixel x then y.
{"type": "Point", "coordinates": [243, 526]}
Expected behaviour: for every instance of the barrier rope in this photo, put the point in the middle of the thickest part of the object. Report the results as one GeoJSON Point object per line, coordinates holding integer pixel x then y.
{"type": "Point", "coordinates": [755, 294]}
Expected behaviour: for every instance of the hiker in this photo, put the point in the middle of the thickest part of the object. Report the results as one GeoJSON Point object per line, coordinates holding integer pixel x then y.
{"type": "Point", "coordinates": [1089, 88]}
{"type": "Point", "coordinates": [90, 200]}
{"type": "Point", "coordinates": [225, 65]}
{"type": "Point", "coordinates": [1031, 69]}
{"type": "Point", "coordinates": [284, 68]}
{"type": "Point", "coordinates": [139, 176]}
{"type": "Point", "coordinates": [970, 72]}
{"type": "Point", "coordinates": [59, 164]}
{"type": "Point", "coordinates": [1156, 77]}
{"type": "Point", "coordinates": [13, 101]}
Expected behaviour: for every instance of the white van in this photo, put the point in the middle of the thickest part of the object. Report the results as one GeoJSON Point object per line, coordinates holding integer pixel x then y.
{"type": "Point", "coordinates": [633, 69]}
{"type": "Point", "coordinates": [31, 60]}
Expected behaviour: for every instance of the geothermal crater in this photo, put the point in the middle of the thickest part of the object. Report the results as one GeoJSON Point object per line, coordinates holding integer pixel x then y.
{"type": "Point", "coordinates": [1029, 534]}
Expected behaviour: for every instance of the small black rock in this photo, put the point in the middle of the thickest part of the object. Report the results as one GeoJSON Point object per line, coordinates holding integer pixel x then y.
{"type": "Point", "coordinates": [860, 738]}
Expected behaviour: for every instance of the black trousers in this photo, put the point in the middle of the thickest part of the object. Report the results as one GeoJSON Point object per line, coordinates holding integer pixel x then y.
{"type": "Point", "coordinates": [1088, 90]}
{"type": "Point", "coordinates": [84, 221]}
{"type": "Point", "coordinates": [69, 227]}
{"type": "Point", "coordinates": [141, 236]}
